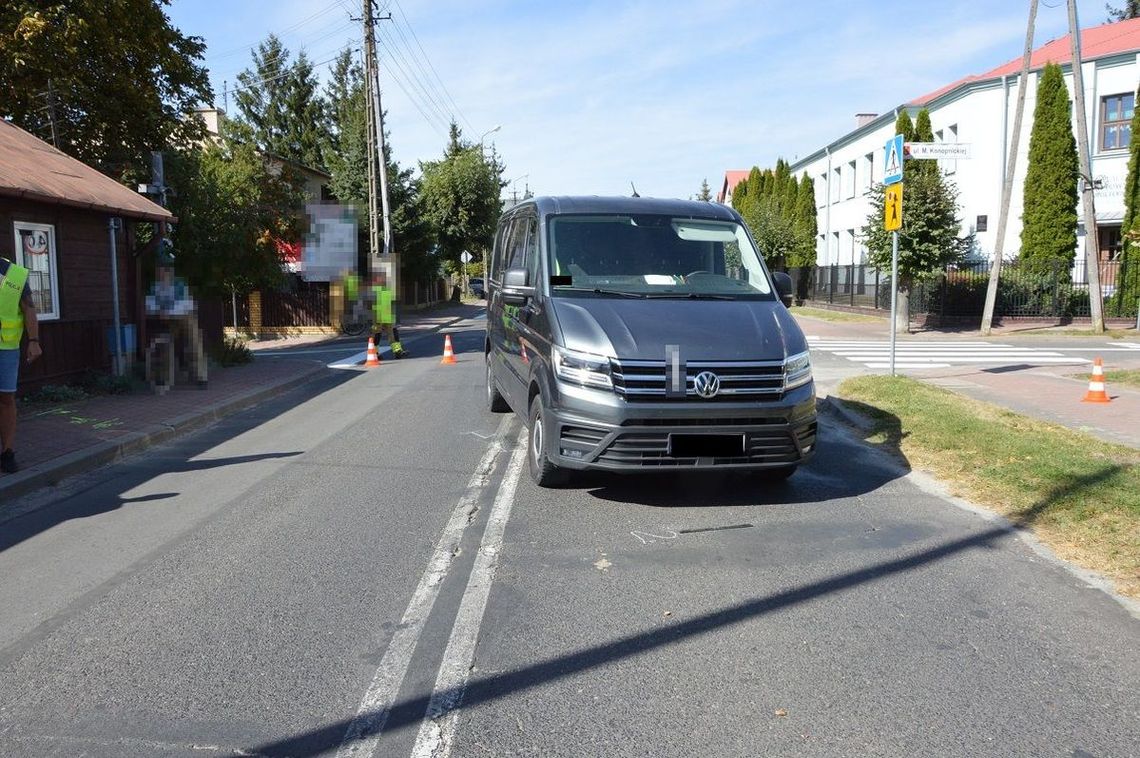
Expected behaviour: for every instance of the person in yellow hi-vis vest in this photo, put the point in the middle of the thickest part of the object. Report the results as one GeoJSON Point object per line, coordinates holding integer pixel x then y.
{"type": "Point", "coordinates": [383, 314]}
{"type": "Point", "coordinates": [17, 314]}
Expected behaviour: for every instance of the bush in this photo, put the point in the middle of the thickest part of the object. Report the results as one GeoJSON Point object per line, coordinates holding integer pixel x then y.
{"type": "Point", "coordinates": [55, 393]}
{"type": "Point", "coordinates": [96, 383]}
{"type": "Point", "coordinates": [233, 352]}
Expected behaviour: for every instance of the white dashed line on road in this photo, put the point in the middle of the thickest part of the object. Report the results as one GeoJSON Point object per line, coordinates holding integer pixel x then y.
{"type": "Point", "coordinates": [363, 734]}
{"type": "Point", "coordinates": [437, 730]}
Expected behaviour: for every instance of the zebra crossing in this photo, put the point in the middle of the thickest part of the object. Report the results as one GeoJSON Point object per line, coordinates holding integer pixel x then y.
{"type": "Point", "coordinates": [913, 354]}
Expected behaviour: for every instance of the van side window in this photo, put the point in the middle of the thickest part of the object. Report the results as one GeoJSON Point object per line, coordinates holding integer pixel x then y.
{"type": "Point", "coordinates": [499, 254]}
{"type": "Point", "coordinates": [532, 250]}
{"type": "Point", "coordinates": [516, 248]}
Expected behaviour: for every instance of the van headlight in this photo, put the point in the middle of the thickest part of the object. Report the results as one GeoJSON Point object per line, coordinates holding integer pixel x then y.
{"type": "Point", "coordinates": [584, 369]}
{"type": "Point", "coordinates": [797, 370]}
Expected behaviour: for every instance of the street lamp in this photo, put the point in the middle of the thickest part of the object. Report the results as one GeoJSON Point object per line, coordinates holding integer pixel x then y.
{"type": "Point", "coordinates": [489, 131]}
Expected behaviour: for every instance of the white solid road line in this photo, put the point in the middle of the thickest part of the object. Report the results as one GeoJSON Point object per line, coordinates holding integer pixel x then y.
{"type": "Point", "coordinates": [363, 734]}
{"type": "Point", "coordinates": [437, 730]}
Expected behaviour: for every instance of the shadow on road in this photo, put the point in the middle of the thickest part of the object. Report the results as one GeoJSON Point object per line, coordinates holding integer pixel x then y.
{"type": "Point", "coordinates": [493, 687]}
{"type": "Point", "coordinates": [179, 456]}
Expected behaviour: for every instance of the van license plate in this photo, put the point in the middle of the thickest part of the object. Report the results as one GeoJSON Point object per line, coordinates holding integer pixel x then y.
{"type": "Point", "coordinates": [706, 445]}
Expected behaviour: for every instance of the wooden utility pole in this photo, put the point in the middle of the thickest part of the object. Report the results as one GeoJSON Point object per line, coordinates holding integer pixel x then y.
{"type": "Point", "coordinates": [1092, 241]}
{"type": "Point", "coordinates": [369, 58]}
{"type": "Point", "coordinates": [381, 232]}
{"type": "Point", "coordinates": [1011, 166]}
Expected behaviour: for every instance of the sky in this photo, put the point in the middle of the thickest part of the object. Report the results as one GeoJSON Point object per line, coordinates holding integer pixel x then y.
{"type": "Point", "coordinates": [593, 97]}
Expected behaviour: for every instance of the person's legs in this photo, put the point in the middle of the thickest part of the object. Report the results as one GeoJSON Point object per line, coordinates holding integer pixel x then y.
{"type": "Point", "coordinates": [9, 370]}
{"type": "Point", "coordinates": [7, 421]}
{"type": "Point", "coordinates": [196, 355]}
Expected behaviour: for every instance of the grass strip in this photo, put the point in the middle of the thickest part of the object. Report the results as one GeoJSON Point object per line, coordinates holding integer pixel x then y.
{"type": "Point", "coordinates": [1079, 494]}
{"type": "Point", "coordinates": [841, 316]}
{"type": "Point", "coordinates": [1130, 377]}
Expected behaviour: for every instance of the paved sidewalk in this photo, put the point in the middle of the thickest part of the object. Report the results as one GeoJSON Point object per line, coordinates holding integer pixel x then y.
{"type": "Point", "coordinates": [1049, 393]}
{"type": "Point", "coordinates": [55, 441]}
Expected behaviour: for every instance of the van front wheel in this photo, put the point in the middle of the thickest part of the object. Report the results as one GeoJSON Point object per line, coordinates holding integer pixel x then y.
{"type": "Point", "coordinates": [542, 471]}
{"type": "Point", "coordinates": [496, 403]}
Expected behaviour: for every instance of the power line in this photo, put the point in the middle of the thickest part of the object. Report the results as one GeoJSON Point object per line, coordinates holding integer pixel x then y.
{"type": "Point", "coordinates": [412, 79]}
{"type": "Point", "coordinates": [282, 57]}
{"type": "Point", "coordinates": [428, 87]}
{"type": "Point", "coordinates": [248, 85]}
{"type": "Point", "coordinates": [415, 102]}
{"type": "Point", "coordinates": [443, 86]}
{"type": "Point", "coordinates": [235, 50]}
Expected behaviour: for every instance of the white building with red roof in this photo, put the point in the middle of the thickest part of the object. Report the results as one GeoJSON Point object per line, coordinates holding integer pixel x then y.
{"type": "Point", "coordinates": [979, 111]}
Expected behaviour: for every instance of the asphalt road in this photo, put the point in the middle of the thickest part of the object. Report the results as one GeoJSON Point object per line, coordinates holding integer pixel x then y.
{"type": "Point", "coordinates": [319, 575]}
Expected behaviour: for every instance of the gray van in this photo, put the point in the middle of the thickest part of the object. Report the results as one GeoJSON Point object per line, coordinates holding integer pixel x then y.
{"type": "Point", "coordinates": [635, 334]}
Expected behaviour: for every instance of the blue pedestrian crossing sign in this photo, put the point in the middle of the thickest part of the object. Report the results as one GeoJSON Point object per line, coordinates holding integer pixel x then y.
{"type": "Point", "coordinates": [893, 163]}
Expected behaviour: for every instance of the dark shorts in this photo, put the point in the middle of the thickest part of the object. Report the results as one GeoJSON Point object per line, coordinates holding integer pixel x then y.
{"type": "Point", "coordinates": [9, 369]}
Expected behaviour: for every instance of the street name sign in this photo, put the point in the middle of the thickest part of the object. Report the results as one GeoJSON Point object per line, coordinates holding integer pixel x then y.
{"type": "Point", "coordinates": [893, 163]}
{"type": "Point", "coordinates": [892, 209]}
{"type": "Point", "coordinates": [936, 150]}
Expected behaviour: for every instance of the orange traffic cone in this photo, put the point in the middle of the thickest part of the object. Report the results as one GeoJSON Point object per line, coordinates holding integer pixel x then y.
{"type": "Point", "coordinates": [448, 352]}
{"type": "Point", "coordinates": [1096, 392]}
{"type": "Point", "coordinates": [373, 356]}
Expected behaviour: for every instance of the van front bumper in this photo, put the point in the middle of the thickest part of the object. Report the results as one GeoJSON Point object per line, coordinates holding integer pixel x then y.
{"type": "Point", "coordinates": [590, 429]}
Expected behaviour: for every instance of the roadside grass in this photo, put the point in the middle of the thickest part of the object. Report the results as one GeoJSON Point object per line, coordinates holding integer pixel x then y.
{"type": "Point", "coordinates": [1116, 334]}
{"type": "Point", "coordinates": [1080, 495]}
{"type": "Point", "coordinates": [1131, 377]}
{"type": "Point", "coordinates": [840, 316]}
{"type": "Point", "coordinates": [1126, 376]}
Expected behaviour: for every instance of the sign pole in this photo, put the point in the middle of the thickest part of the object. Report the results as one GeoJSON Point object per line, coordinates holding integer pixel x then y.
{"type": "Point", "coordinates": [894, 293]}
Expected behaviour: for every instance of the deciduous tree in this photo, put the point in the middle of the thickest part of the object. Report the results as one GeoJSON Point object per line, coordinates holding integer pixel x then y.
{"type": "Point", "coordinates": [117, 78]}
{"type": "Point", "coordinates": [461, 197]}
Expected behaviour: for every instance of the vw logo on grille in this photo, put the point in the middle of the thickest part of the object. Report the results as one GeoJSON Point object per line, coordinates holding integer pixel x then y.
{"type": "Point", "coordinates": [707, 384]}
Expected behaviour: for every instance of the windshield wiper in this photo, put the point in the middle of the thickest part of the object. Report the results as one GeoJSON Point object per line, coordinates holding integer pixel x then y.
{"type": "Point", "coordinates": [690, 296]}
{"type": "Point", "coordinates": [598, 291]}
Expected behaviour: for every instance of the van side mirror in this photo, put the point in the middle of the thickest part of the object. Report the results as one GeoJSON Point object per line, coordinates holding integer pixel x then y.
{"type": "Point", "coordinates": [516, 286]}
{"type": "Point", "coordinates": [784, 288]}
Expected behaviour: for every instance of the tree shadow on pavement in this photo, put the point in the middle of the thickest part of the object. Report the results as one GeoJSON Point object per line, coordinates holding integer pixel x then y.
{"type": "Point", "coordinates": [89, 503]}
{"type": "Point", "coordinates": [500, 685]}
{"type": "Point", "coordinates": [105, 493]}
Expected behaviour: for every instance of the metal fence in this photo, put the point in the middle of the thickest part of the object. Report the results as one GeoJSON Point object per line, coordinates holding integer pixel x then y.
{"type": "Point", "coordinates": [959, 292]}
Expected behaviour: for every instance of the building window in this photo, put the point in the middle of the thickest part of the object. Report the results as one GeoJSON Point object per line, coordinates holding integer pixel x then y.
{"type": "Point", "coordinates": [821, 190]}
{"type": "Point", "coordinates": [35, 251]}
{"type": "Point", "coordinates": [868, 173]}
{"type": "Point", "coordinates": [835, 177]}
{"type": "Point", "coordinates": [833, 255]}
{"type": "Point", "coordinates": [849, 185]}
{"type": "Point", "coordinates": [1111, 243]}
{"type": "Point", "coordinates": [1116, 121]}
{"type": "Point", "coordinates": [950, 165]}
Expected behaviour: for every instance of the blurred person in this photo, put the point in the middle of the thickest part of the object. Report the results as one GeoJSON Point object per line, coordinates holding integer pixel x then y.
{"type": "Point", "coordinates": [17, 315]}
{"type": "Point", "coordinates": [383, 315]}
{"type": "Point", "coordinates": [170, 299]}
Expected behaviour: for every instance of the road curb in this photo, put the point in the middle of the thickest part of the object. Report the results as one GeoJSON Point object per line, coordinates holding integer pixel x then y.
{"type": "Point", "coordinates": [837, 407]}
{"type": "Point", "coordinates": [56, 470]}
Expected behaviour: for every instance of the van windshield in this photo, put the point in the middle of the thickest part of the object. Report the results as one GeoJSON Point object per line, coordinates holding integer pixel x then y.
{"type": "Point", "coordinates": [654, 256]}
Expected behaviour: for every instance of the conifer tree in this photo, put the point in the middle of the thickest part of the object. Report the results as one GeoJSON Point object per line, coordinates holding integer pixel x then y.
{"type": "Point", "coordinates": [1128, 275]}
{"type": "Point", "coordinates": [1049, 215]}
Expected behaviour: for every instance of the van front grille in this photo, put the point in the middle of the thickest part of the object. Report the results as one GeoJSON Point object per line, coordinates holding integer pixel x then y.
{"type": "Point", "coordinates": [740, 381]}
{"type": "Point", "coordinates": [652, 449]}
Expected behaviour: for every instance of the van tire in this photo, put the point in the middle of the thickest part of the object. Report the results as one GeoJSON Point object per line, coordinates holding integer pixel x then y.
{"type": "Point", "coordinates": [496, 403]}
{"type": "Point", "coordinates": [542, 471]}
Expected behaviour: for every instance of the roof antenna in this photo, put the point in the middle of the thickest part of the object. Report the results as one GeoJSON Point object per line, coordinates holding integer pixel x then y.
{"type": "Point", "coordinates": [634, 190]}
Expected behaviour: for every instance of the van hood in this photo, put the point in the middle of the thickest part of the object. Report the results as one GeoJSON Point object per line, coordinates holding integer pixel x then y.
{"type": "Point", "coordinates": [713, 330]}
